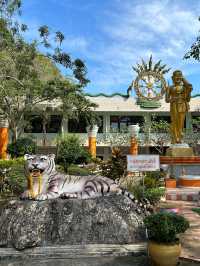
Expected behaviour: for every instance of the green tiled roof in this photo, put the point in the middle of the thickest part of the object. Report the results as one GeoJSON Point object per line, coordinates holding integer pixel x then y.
{"type": "Point", "coordinates": [120, 94]}
{"type": "Point", "coordinates": [196, 95]}
{"type": "Point", "coordinates": [106, 95]}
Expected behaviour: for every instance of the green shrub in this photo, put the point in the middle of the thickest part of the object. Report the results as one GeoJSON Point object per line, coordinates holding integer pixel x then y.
{"type": "Point", "coordinates": [76, 170]}
{"type": "Point", "coordinates": [11, 162]}
{"type": "Point", "coordinates": [21, 147]}
{"type": "Point", "coordinates": [60, 168]}
{"type": "Point", "coordinates": [163, 227]}
{"type": "Point", "coordinates": [150, 182]}
{"type": "Point", "coordinates": [153, 179]}
{"type": "Point", "coordinates": [154, 194]}
{"type": "Point", "coordinates": [15, 179]}
{"type": "Point", "coordinates": [70, 151]}
{"type": "Point", "coordinates": [136, 190]}
{"type": "Point", "coordinates": [115, 166]}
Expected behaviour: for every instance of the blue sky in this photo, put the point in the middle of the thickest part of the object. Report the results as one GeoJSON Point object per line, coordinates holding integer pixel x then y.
{"type": "Point", "coordinates": [113, 35]}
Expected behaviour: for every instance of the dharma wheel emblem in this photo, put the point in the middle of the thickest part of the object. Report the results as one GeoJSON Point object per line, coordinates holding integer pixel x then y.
{"type": "Point", "coordinates": [150, 83]}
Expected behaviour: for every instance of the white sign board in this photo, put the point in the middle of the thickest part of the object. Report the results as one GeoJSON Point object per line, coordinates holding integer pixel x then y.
{"type": "Point", "coordinates": [143, 163]}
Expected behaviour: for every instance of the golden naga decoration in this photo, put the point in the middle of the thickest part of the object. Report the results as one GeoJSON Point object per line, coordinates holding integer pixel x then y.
{"type": "Point", "coordinates": [178, 95]}
{"type": "Point", "coordinates": [150, 83]}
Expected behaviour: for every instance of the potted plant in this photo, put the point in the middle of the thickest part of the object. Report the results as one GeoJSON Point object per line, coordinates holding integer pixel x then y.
{"type": "Point", "coordinates": [170, 181]}
{"type": "Point", "coordinates": [162, 228]}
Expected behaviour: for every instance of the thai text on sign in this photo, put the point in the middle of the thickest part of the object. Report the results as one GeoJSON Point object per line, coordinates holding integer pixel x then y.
{"type": "Point", "coordinates": [143, 163]}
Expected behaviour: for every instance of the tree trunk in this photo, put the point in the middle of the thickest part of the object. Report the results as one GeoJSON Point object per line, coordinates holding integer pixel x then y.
{"type": "Point", "coordinates": [14, 134]}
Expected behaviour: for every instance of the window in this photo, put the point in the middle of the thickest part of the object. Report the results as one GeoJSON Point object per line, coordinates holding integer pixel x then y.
{"type": "Point", "coordinates": [196, 123]}
{"type": "Point", "coordinates": [54, 125]}
{"type": "Point", "coordinates": [79, 126]}
{"type": "Point", "coordinates": [35, 124]}
{"type": "Point", "coordinates": [114, 123]}
{"type": "Point", "coordinates": [159, 118]}
{"type": "Point", "coordinates": [100, 124]}
{"type": "Point", "coordinates": [160, 124]}
{"type": "Point", "coordinates": [121, 123]}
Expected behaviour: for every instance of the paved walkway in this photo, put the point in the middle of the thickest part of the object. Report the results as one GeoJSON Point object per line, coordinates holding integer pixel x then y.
{"type": "Point", "coordinates": [191, 238]}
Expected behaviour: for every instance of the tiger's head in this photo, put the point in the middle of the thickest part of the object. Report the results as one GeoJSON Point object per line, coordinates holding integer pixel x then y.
{"type": "Point", "coordinates": [38, 164]}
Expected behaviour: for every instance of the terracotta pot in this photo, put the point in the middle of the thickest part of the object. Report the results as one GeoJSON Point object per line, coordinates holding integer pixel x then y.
{"type": "Point", "coordinates": [164, 254]}
{"type": "Point", "coordinates": [170, 183]}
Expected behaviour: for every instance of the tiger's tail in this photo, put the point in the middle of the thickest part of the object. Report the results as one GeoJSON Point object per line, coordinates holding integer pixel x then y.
{"type": "Point", "coordinates": [143, 205]}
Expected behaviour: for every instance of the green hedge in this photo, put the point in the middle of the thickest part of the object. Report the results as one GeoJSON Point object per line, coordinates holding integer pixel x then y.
{"type": "Point", "coordinates": [75, 170]}
{"type": "Point", "coordinates": [21, 147]}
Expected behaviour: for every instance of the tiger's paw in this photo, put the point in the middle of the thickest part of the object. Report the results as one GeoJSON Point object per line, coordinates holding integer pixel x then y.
{"type": "Point", "coordinates": [41, 197]}
{"type": "Point", "coordinates": [66, 195]}
{"type": "Point", "coordinates": [25, 195]}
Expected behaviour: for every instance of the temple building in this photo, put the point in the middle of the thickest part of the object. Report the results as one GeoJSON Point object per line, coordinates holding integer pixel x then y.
{"type": "Point", "coordinates": [117, 112]}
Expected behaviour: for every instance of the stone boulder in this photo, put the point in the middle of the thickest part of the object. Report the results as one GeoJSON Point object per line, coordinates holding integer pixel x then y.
{"type": "Point", "coordinates": [104, 220]}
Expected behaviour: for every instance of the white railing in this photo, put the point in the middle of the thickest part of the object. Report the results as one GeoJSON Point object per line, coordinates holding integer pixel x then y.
{"type": "Point", "coordinates": [116, 139]}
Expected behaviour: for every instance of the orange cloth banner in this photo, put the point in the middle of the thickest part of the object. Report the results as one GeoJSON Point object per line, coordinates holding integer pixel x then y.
{"type": "Point", "coordinates": [3, 142]}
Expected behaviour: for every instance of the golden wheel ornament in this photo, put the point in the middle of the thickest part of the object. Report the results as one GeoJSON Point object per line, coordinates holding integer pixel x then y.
{"type": "Point", "coordinates": [150, 85]}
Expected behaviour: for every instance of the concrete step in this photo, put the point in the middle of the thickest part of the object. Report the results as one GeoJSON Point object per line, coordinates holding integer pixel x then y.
{"type": "Point", "coordinates": [75, 251]}
{"type": "Point", "coordinates": [185, 194]}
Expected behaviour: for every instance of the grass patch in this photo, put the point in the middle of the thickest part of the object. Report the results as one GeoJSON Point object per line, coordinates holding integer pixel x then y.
{"type": "Point", "coordinates": [168, 205]}
{"type": "Point", "coordinates": [197, 210]}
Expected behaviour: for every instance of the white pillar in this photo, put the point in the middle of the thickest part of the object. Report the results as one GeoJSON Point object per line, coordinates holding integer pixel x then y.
{"type": "Point", "coordinates": [106, 122]}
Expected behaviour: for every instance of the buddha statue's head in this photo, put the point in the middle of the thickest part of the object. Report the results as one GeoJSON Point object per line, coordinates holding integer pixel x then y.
{"type": "Point", "coordinates": [177, 77]}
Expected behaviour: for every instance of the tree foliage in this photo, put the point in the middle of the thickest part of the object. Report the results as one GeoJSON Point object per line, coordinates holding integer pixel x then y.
{"type": "Point", "coordinates": [157, 132]}
{"type": "Point", "coordinates": [194, 51]}
{"type": "Point", "coordinates": [29, 78]}
{"type": "Point", "coordinates": [70, 151]}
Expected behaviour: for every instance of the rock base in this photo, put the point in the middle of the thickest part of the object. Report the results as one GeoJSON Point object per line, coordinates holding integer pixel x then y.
{"type": "Point", "coordinates": [179, 151]}
{"type": "Point", "coordinates": [103, 220]}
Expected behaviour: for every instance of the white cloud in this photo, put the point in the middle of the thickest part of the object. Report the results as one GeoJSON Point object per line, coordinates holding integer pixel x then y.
{"type": "Point", "coordinates": [128, 31]}
{"type": "Point", "coordinates": [163, 28]}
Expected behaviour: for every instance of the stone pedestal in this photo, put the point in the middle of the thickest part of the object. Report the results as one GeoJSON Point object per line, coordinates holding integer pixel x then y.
{"type": "Point", "coordinates": [179, 150]}
{"type": "Point", "coordinates": [103, 220]}
{"type": "Point", "coordinates": [185, 169]}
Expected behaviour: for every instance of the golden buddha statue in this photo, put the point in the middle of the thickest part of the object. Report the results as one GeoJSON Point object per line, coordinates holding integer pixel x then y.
{"type": "Point", "coordinates": [178, 95]}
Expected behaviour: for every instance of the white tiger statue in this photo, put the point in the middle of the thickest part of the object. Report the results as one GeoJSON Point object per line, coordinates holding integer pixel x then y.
{"type": "Point", "coordinates": [44, 182]}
